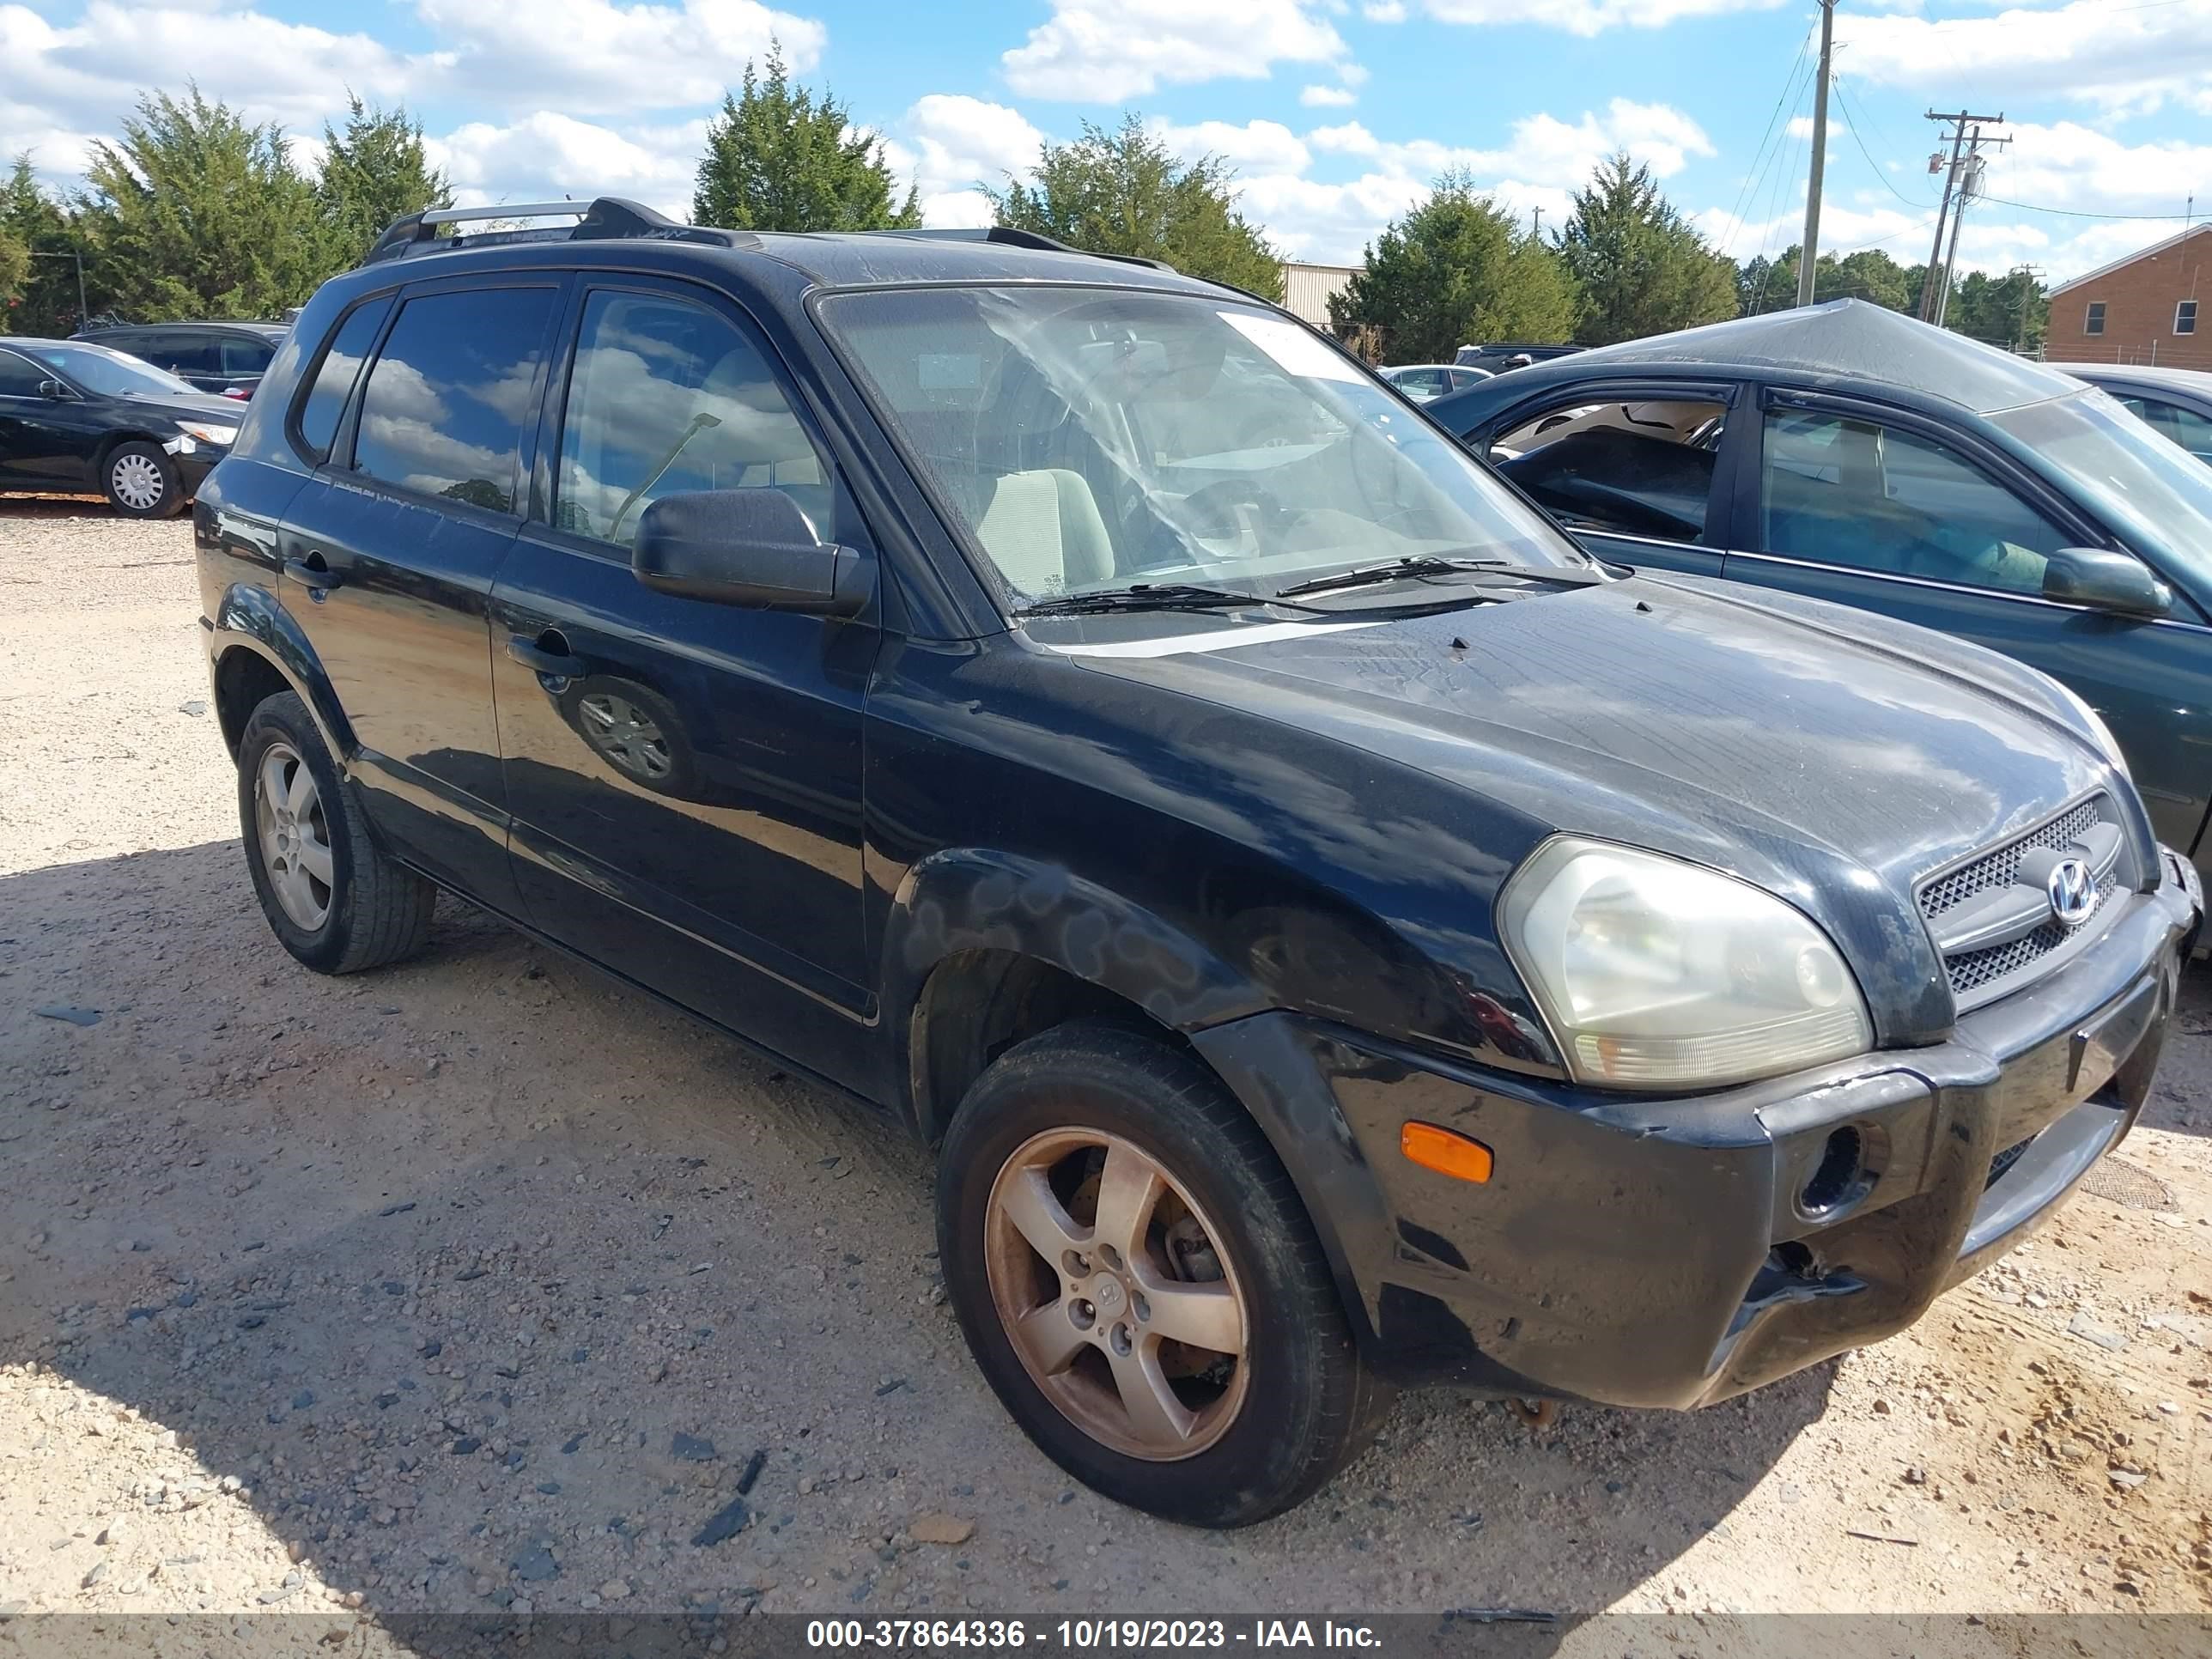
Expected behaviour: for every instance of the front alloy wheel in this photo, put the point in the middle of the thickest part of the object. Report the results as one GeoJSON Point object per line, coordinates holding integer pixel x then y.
{"type": "Point", "coordinates": [1140, 1282]}
{"type": "Point", "coordinates": [1115, 1296]}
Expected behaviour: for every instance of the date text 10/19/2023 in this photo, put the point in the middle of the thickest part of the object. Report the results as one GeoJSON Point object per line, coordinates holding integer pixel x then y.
{"type": "Point", "coordinates": [1073, 1636]}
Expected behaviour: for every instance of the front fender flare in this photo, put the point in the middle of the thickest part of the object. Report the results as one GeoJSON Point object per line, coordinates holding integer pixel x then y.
{"type": "Point", "coordinates": [969, 899]}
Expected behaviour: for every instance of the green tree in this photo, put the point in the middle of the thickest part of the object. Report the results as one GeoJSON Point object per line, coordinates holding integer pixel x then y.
{"type": "Point", "coordinates": [373, 172]}
{"type": "Point", "coordinates": [2011, 311]}
{"type": "Point", "coordinates": [1869, 274]}
{"type": "Point", "coordinates": [1456, 270]}
{"type": "Point", "coordinates": [42, 299]}
{"type": "Point", "coordinates": [196, 214]}
{"type": "Point", "coordinates": [781, 157]}
{"type": "Point", "coordinates": [14, 278]}
{"type": "Point", "coordinates": [1639, 267]}
{"type": "Point", "coordinates": [1122, 190]}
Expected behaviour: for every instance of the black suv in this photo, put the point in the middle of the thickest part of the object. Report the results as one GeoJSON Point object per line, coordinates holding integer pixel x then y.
{"type": "Point", "coordinates": [1341, 936]}
{"type": "Point", "coordinates": [227, 359]}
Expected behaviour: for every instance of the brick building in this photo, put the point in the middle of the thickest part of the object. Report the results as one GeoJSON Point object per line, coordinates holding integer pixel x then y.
{"type": "Point", "coordinates": [2142, 309]}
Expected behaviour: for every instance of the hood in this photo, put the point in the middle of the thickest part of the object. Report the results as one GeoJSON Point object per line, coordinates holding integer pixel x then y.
{"type": "Point", "coordinates": [197, 406]}
{"type": "Point", "coordinates": [1830, 758]}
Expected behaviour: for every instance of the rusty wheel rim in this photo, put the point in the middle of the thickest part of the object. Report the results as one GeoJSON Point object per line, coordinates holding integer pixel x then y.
{"type": "Point", "coordinates": [1115, 1291]}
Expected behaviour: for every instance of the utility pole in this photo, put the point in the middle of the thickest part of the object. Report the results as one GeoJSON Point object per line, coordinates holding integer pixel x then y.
{"type": "Point", "coordinates": [1809, 256]}
{"type": "Point", "coordinates": [1535, 223]}
{"type": "Point", "coordinates": [1964, 145]}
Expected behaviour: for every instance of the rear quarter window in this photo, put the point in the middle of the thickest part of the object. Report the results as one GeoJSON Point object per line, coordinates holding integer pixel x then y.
{"type": "Point", "coordinates": [332, 382]}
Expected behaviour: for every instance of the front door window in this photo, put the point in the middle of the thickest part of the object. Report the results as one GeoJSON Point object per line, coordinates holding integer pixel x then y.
{"type": "Point", "coordinates": [1842, 490]}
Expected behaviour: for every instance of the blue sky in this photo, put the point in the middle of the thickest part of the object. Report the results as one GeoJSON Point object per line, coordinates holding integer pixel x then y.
{"type": "Point", "coordinates": [1336, 113]}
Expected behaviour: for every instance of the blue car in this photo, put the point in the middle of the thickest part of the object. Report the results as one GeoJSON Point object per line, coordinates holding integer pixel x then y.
{"type": "Point", "coordinates": [1846, 452]}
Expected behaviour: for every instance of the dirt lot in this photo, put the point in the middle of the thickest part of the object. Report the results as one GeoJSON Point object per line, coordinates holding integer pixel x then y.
{"type": "Point", "coordinates": [480, 1284]}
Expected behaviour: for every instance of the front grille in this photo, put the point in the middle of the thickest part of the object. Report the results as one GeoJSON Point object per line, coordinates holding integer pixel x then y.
{"type": "Point", "coordinates": [2004, 1161]}
{"type": "Point", "coordinates": [1976, 976]}
{"type": "Point", "coordinates": [1970, 970]}
{"type": "Point", "coordinates": [1997, 869]}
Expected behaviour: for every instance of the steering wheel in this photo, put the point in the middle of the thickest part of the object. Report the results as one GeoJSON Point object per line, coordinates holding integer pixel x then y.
{"type": "Point", "coordinates": [1209, 507]}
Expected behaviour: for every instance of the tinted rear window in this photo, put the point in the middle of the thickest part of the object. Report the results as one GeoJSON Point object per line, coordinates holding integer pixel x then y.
{"type": "Point", "coordinates": [446, 400]}
{"type": "Point", "coordinates": [244, 355]}
{"type": "Point", "coordinates": [334, 378]}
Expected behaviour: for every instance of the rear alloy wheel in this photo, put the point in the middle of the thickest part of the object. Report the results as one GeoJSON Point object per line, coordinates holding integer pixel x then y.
{"type": "Point", "coordinates": [333, 898]}
{"type": "Point", "coordinates": [1140, 1282]}
{"type": "Point", "coordinates": [141, 482]}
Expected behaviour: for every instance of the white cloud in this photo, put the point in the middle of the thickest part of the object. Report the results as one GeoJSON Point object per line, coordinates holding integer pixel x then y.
{"type": "Point", "coordinates": [1587, 17]}
{"type": "Point", "coordinates": [66, 83]}
{"type": "Point", "coordinates": [1544, 161]}
{"type": "Point", "coordinates": [1105, 51]}
{"type": "Point", "coordinates": [961, 141]}
{"type": "Point", "coordinates": [948, 146]}
{"type": "Point", "coordinates": [1384, 11]}
{"type": "Point", "coordinates": [546, 153]}
{"type": "Point", "coordinates": [1327, 97]}
{"type": "Point", "coordinates": [1255, 147]}
{"type": "Point", "coordinates": [1543, 148]}
{"type": "Point", "coordinates": [2121, 58]}
{"type": "Point", "coordinates": [599, 56]}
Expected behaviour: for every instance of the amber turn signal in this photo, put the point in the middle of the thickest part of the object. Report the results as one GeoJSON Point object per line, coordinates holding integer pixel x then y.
{"type": "Point", "coordinates": [1444, 1151]}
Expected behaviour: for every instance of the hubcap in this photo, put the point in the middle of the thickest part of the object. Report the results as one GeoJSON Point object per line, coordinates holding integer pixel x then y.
{"type": "Point", "coordinates": [1115, 1291]}
{"type": "Point", "coordinates": [295, 838]}
{"type": "Point", "coordinates": [136, 481]}
{"type": "Point", "coordinates": [626, 735]}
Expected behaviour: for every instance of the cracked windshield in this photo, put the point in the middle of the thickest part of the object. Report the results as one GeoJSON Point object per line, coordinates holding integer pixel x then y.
{"type": "Point", "coordinates": [1091, 441]}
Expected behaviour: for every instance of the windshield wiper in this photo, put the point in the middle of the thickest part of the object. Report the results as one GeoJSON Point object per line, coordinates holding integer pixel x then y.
{"type": "Point", "coordinates": [1156, 596]}
{"type": "Point", "coordinates": [1391, 570]}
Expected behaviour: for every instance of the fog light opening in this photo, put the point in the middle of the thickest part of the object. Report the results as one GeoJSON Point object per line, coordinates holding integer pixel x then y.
{"type": "Point", "coordinates": [1794, 1259]}
{"type": "Point", "coordinates": [1836, 1176]}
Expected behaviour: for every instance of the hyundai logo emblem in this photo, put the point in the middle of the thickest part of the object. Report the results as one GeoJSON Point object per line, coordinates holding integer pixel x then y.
{"type": "Point", "coordinates": [2073, 888]}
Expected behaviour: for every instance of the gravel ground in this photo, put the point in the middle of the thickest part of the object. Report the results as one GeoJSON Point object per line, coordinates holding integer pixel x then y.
{"type": "Point", "coordinates": [481, 1284]}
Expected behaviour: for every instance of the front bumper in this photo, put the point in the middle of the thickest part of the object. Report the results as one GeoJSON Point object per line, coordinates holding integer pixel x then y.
{"type": "Point", "coordinates": [1675, 1252]}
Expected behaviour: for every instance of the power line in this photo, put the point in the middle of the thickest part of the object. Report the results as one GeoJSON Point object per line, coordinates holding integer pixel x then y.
{"type": "Point", "coordinates": [1881, 172]}
{"type": "Point", "coordinates": [2077, 213]}
{"type": "Point", "coordinates": [1748, 191]}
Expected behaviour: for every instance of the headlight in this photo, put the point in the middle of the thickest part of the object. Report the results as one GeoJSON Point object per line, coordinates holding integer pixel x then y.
{"type": "Point", "coordinates": [1655, 972]}
{"type": "Point", "coordinates": [2096, 724]}
{"type": "Point", "coordinates": [208, 433]}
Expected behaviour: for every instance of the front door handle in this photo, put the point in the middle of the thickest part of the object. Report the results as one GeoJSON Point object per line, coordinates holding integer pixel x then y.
{"type": "Point", "coordinates": [548, 654]}
{"type": "Point", "coordinates": [314, 573]}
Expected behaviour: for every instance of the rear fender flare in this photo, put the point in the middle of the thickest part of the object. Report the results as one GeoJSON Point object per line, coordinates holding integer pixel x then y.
{"type": "Point", "coordinates": [251, 618]}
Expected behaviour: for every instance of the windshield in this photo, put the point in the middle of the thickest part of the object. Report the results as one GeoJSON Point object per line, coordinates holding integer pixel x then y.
{"type": "Point", "coordinates": [2160, 492]}
{"type": "Point", "coordinates": [1089, 440]}
{"type": "Point", "coordinates": [110, 373]}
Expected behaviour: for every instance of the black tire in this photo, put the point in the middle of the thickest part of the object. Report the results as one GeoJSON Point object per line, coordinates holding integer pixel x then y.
{"type": "Point", "coordinates": [1311, 1406]}
{"type": "Point", "coordinates": [141, 482]}
{"type": "Point", "coordinates": [378, 910]}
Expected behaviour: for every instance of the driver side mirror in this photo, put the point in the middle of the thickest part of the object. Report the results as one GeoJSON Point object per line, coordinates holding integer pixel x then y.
{"type": "Point", "coordinates": [54, 391]}
{"type": "Point", "coordinates": [750, 547]}
{"type": "Point", "coordinates": [2105, 581]}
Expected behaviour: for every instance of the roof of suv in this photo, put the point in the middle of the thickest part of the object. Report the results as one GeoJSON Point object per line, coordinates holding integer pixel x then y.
{"type": "Point", "coordinates": [830, 258]}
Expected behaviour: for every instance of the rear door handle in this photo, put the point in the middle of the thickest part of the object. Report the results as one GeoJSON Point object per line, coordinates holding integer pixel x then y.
{"type": "Point", "coordinates": [548, 653]}
{"type": "Point", "coordinates": [314, 573]}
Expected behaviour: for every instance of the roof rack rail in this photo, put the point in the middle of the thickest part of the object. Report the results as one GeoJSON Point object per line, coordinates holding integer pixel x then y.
{"type": "Point", "coordinates": [604, 218]}
{"type": "Point", "coordinates": [1013, 236]}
